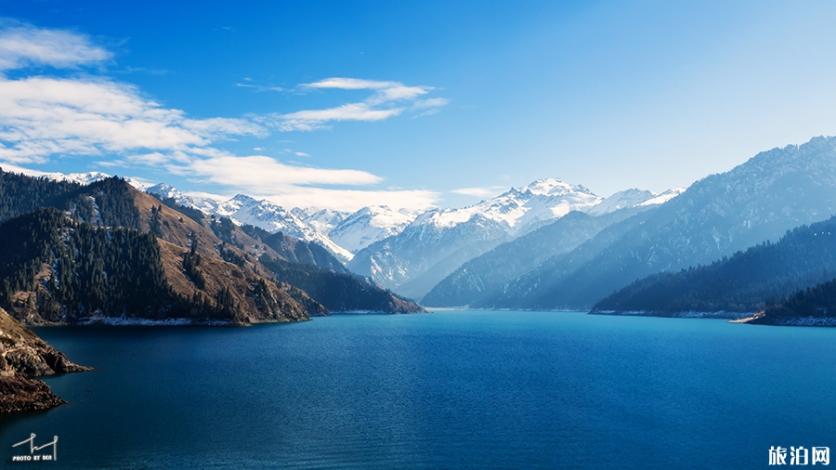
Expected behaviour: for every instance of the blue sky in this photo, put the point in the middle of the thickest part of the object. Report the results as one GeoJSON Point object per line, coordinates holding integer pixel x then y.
{"type": "Point", "coordinates": [347, 103]}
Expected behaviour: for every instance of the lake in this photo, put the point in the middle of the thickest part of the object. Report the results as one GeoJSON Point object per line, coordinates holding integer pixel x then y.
{"type": "Point", "coordinates": [452, 389]}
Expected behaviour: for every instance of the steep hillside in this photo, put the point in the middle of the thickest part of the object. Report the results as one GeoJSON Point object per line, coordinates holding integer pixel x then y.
{"type": "Point", "coordinates": [297, 251]}
{"type": "Point", "coordinates": [368, 225]}
{"type": "Point", "coordinates": [756, 201]}
{"type": "Point", "coordinates": [814, 306]}
{"type": "Point", "coordinates": [748, 281]}
{"type": "Point", "coordinates": [206, 279]}
{"type": "Point", "coordinates": [303, 264]}
{"type": "Point", "coordinates": [486, 275]}
{"type": "Point", "coordinates": [440, 241]}
{"type": "Point", "coordinates": [246, 210]}
{"type": "Point", "coordinates": [23, 357]}
{"type": "Point", "coordinates": [314, 270]}
{"type": "Point", "coordinates": [415, 260]}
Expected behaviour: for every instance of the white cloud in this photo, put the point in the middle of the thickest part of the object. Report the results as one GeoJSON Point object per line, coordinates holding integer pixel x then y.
{"type": "Point", "coordinates": [352, 200]}
{"type": "Point", "coordinates": [316, 118]}
{"type": "Point", "coordinates": [23, 45]}
{"type": "Point", "coordinates": [431, 103]}
{"type": "Point", "coordinates": [261, 174]}
{"type": "Point", "coordinates": [43, 116]}
{"type": "Point", "coordinates": [474, 192]}
{"type": "Point", "coordinates": [248, 82]}
{"type": "Point", "coordinates": [388, 99]}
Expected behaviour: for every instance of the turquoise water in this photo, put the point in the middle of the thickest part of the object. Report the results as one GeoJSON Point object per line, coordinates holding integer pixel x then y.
{"type": "Point", "coordinates": [451, 390]}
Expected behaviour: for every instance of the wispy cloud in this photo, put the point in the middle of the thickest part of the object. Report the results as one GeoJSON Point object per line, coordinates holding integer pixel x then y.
{"type": "Point", "coordinates": [477, 191]}
{"type": "Point", "coordinates": [309, 120]}
{"type": "Point", "coordinates": [387, 100]}
{"type": "Point", "coordinates": [260, 173]}
{"type": "Point", "coordinates": [249, 83]}
{"type": "Point", "coordinates": [43, 116]}
{"type": "Point", "coordinates": [23, 45]}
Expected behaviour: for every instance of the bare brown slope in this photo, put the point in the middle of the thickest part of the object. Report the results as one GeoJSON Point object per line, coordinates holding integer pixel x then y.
{"type": "Point", "coordinates": [225, 268]}
{"type": "Point", "coordinates": [204, 279]}
{"type": "Point", "coordinates": [24, 356]}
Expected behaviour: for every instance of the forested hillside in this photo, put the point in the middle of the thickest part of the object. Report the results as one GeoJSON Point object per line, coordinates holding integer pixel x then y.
{"type": "Point", "coordinates": [745, 282]}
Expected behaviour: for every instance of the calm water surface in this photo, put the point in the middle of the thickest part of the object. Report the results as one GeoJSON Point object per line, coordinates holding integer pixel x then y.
{"type": "Point", "coordinates": [458, 389]}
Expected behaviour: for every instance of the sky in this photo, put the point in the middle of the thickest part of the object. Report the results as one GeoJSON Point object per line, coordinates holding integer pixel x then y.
{"type": "Point", "coordinates": [342, 104]}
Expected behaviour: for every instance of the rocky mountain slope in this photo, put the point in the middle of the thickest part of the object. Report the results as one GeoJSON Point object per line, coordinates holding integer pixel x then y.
{"type": "Point", "coordinates": [756, 201]}
{"type": "Point", "coordinates": [79, 262]}
{"type": "Point", "coordinates": [246, 210]}
{"type": "Point", "coordinates": [368, 225]}
{"type": "Point", "coordinates": [313, 269]}
{"type": "Point", "coordinates": [487, 274]}
{"type": "Point", "coordinates": [438, 241]}
{"type": "Point", "coordinates": [24, 357]}
{"type": "Point", "coordinates": [748, 281]}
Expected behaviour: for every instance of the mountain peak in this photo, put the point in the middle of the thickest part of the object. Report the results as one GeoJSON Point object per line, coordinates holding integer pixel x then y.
{"type": "Point", "coordinates": [553, 187]}
{"type": "Point", "coordinates": [243, 198]}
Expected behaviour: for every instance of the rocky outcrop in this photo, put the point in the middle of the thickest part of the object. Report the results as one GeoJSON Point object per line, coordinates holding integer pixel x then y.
{"type": "Point", "coordinates": [23, 357]}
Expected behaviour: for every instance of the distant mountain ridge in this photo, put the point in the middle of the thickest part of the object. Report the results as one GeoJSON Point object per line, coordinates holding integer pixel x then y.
{"type": "Point", "coordinates": [749, 281]}
{"type": "Point", "coordinates": [370, 224]}
{"type": "Point", "coordinates": [439, 241]}
{"type": "Point", "coordinates": [243, 209]}
{"type": "Point", "coordinates": [756, 201]}
{"type": "Point", "coordinates": [485, 275]}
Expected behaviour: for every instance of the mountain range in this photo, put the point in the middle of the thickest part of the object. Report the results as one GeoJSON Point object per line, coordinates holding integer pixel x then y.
{"type": "Point", "coordinates": [549, 245]}
{"type": "Point", "coordinates": [341, 233]}
{"type": "Point", "coordinates": [748, 281]}
{"type": "Point", "coordinates": [440, 241]}
{"type": "Point", "coordinates": [483, 276]}
{"type": "Point", "coordinates": [106, 250]}
{"type": "Point", "coordinates": [757, 201]}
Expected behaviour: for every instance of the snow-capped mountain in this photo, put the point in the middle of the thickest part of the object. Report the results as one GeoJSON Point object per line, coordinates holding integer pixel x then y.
{"type": "Point", "coordinates": [370, 224]}
{"type": "Point", "coordinates": [663, 197]}
{"type": "Point", "coordinates": [633, 198]}
{"type": "Point", "coordinates": [243, 209]}
{"type": "Point", "coordinates": [519, 210]}
{"type": "Point", "coordinates": [322, 220]}
{"type": "Point", "coordinates": [204, 202]}
{"type": "Point", "coordinates": [82, 178]}
{"type": "Point", "coordinates": [438, 241]}
{"type": "Point", "coordinates": [755, 202]}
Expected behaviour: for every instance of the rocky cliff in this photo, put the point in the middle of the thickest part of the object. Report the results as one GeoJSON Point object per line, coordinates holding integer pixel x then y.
{"type": "Point", "coordinates": [23, 357]}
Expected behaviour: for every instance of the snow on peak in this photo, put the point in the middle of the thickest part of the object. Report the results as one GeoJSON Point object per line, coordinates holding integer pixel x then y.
{"type": "Point", "coordinates": [370, 224]}
{"type": "Point", "coordinates": [634, 198]}
{"type": "Point", "coordinates": [323, 220]}
{"type": "Point", "coordinates": [519, 210]}
{"type": "Point", "coordinates": [243, 209]}
{"type": "Point", "coordinates": [663, 197]}
{"type": "Point", "coordinates": [164, 191]}
{"type": "Point", "coordinates": [82, 178]}
{"type": "Point", "coordinates": [621, 200]}
{"type": "Point", "coordinates": [204, 202]}
{"type": "Point", "coordinates": [553, 187]}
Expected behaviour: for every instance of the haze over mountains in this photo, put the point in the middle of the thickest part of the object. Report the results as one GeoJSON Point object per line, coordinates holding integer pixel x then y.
{"type": "Point", "coordinates": [551, 244]}
{"type": "Point", "coordinates": [757, 201]}
{"type": "Point", "coordinates": [440, 241]}
{"type": "Point", "coordinates": [405, 250]}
